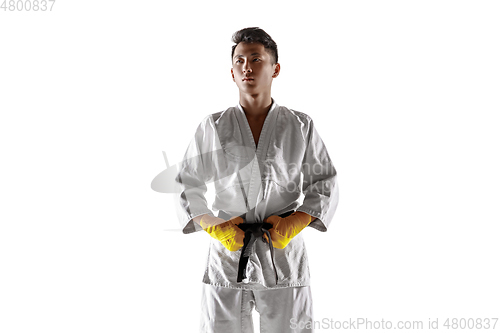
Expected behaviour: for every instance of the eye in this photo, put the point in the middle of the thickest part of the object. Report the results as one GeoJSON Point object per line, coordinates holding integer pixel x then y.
{"type": "Point", "coordinates": [256, 59]}
{"type": "Point", "coordinates": [239, 60]}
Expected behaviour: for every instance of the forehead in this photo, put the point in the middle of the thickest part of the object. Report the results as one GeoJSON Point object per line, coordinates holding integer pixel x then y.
{"type": "Point", "coordinates": [246, 49]}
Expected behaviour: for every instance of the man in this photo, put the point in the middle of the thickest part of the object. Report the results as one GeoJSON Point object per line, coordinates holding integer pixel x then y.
{"type": "Point", "coordinates": [261, 157]}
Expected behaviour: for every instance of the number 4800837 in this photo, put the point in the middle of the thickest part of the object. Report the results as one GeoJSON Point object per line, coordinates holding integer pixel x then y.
{"type": "Point", "coordinates": [27, 5]}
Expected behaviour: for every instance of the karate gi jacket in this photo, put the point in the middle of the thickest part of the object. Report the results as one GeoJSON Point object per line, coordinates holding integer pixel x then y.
{"type": "Point", "coordinates": [289, 170]}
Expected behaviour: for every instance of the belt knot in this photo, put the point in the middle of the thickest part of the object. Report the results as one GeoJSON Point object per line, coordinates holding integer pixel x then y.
{"type": "Point", "coordinates": [252, 232]}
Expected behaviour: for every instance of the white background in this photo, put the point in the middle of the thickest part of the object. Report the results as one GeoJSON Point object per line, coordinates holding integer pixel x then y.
{"type": "Point", "coordinates": [405, 94]}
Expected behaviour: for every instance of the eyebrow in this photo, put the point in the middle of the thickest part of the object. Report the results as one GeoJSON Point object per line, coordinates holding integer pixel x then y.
{"type": "Point", "coordinates": [241, 55]}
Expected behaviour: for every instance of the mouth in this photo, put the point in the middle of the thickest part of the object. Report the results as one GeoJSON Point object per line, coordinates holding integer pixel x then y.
{"type": "Point", "coordinates": [247, 79]}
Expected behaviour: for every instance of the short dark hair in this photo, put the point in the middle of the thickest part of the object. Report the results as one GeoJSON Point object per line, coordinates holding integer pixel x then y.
{"type": "Point", "coordinates": [255, 35]}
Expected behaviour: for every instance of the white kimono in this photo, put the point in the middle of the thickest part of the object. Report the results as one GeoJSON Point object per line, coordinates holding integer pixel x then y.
{"type": "Point", "coordinates": [290, 159]}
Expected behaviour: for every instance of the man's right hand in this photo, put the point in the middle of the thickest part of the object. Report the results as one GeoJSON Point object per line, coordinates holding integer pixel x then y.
{"type": "Point", "coordinates": [226, 232]}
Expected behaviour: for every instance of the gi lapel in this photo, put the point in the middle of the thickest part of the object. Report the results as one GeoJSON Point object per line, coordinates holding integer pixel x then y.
{"type": "Point", "coordinates": [254, 194]}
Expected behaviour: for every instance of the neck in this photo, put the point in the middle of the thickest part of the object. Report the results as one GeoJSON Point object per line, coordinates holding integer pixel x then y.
{"type": "Point", "coordinates": [256, 106]}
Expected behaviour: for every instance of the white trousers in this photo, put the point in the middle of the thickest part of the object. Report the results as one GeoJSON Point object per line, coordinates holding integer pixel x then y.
{"type": "Point", "coordinates": [227, 310]}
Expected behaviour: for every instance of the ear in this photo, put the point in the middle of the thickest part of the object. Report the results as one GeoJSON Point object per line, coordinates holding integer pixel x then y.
{"type": "Point", "coordinates": [277, 68]}
{"type": "Point", "coordinates": [232, 74]}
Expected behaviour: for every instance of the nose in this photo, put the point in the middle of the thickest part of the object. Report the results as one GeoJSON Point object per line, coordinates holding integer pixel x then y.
{"type": "Point", "coordinates": [246, 68]}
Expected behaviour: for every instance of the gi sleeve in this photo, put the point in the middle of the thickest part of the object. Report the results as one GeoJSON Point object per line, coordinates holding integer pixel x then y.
{"type": "Point", "coordinates": [195, 171]}
{"type": "Point", "coordinates": [319, 182]}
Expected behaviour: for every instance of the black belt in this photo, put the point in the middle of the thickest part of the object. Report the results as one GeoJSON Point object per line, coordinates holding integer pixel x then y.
{"type": "Point", "coordinates": [252, 232]}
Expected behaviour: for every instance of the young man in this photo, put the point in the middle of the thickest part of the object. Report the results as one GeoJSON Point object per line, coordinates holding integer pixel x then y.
{"type": "Point", "coordinates": [261, 157]}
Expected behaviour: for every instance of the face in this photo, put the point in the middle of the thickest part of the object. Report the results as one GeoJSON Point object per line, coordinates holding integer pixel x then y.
{"type": "Point", "coordinates": [253, 70]}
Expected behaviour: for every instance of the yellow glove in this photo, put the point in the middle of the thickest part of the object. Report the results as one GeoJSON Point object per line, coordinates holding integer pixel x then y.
{"type": "Point", "coordinates": [226, 232]}
{"type": "Point", "coordinates": [285, 228]}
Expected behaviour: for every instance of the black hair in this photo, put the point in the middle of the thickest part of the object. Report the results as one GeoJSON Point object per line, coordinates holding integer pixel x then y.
{"type": "Point", "coordinates": [255, 35]}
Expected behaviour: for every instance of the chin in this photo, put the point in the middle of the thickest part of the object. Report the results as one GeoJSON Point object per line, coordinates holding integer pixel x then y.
{"type": "Point", "coordinates": [250, 91]}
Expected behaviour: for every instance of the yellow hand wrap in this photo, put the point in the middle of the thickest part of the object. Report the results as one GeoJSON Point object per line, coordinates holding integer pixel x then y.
{"type": "Point", "coordinates": [285, 228]}
{"type": "Point", "coordinates": [225, 232]}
